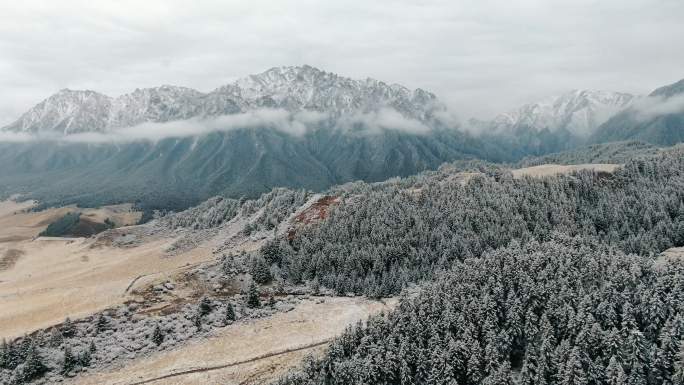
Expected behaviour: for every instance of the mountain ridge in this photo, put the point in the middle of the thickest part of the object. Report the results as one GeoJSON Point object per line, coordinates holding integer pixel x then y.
{"type": "Point", "coordinates": [657, 119]}
{"type": "Point", "coordinates": [577, 111]}
{"type": "Point", "coordinates": [293, 88]}
{"type": "Point", "coordinates": [554, 124]}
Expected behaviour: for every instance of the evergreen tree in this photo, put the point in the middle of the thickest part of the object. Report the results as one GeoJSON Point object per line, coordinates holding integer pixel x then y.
{"type": "Point", "coordinates": [4, 354]}
{"type": "Point", "coordinates": [197, 320]}
{"type": "Point", "coordinates": [68, 330]}
{"type": "Point", "coordinates": [230, 313]}
{"type": "Point", "coordinates": [315, 287]}
{"type": "Point", "coordinates": [228, 265]}
{"type": "Point", "coordinates": [260, 271]}
{"type": "Point", "coordinates": [615, 375]}
{"type": "Point", "coordinates": [678, 377]}
{"type": "Point", "coordinates": [34, 366]}
{"type": "Point", "coordinates": [85, 358]}
{"type": "Point", "coordinates": [157, 335]}
{"type": "Point", "coordinates": [574, 373]}
{"type": "Point", "coordinates": [253, 300]}
{"type": "Point", "coordinates": [69, 361]}
{"type": "Point", "coordinates": [500, 375]}
{"type": "Point", "coordinates": [204, 307]}
{"type": "Point", "coordinates": [56, 337]}
{"type": "Point", "coordinates": [10, 356]}
{"type": "Point", "coordinates": [101, 323]}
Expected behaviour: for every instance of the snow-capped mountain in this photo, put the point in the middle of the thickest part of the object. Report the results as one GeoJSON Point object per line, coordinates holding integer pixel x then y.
{"type": "Point", "coordinates": [656, 119]}
{"type": "Point", "coordinates": [297, 88]}
{"type": "Point", "coordinates": [66, 112]}
{"type": "Point", "coordinates": [159, 104]}
{"type": "Point", "coordinates": [291, 88]}
{"type": "Point", "coordinates": [578, 111]}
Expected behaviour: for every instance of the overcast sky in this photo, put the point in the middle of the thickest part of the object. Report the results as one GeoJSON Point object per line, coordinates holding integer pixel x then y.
{"type": "Point", "coordinates": [480, 57]}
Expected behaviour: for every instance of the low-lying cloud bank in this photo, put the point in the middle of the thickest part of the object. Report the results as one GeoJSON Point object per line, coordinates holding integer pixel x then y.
{"type": "Point", "coordinates": [383, 119]}
{"type": "Point", "coordinates": [15, 137]}
{"type": "Point", "coordinates": [292, 123]}
{"type": "Point", "coordinates": [653, 106]}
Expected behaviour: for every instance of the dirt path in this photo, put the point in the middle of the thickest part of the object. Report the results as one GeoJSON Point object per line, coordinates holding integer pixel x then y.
{"type": "Point", "coordinates": [250, 352]}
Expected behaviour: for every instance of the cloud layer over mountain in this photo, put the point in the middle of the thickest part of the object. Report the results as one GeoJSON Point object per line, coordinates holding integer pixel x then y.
{"type": "Point", "coordinates": [293, 123]}
{"type": "Point", "coordinates": [652, 106]}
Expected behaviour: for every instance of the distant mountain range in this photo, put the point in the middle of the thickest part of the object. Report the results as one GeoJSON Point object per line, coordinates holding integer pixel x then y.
{"type": "Point", "coordinates": [363, 130]}
{"type": "Point", "coordinates": [290, 88]}
{"type": "Point", "coordinates": [555, 124]}
{"type": "Point", "coordinates": [583, 117]}
{"type": "Point", "coordinates": [176, 171]}
{"type": "Point", "coordinates": [657, 119]}
{"type": "Point", "coordinates": [578, 111]}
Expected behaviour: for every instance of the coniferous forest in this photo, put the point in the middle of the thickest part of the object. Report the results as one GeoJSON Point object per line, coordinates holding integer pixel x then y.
{"type": "Point", "coordinates": [566, 311]}
{"type": "Point", "coordinates": [386, 236]}
{"type": "Point", "coordinates": [536, 280]}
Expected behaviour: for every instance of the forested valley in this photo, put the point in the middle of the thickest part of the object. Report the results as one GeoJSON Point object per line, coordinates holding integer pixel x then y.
{"type": "Point", "coordinates": [504, 278]}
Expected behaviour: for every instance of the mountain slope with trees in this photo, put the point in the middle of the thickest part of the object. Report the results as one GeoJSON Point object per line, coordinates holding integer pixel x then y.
{"type": "Point", "coordinates": [383, 237]}
{"type": "Point", "coordinates": [177, 173]}
{"type": "Point", "coordinates": [567, 311]}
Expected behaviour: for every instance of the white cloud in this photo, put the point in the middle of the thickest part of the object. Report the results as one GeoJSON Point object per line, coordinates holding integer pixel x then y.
{"type": "Point", "coordinates": [15, 137]}
{"type": "Point", "coordinates": [295, 124]}
{"type": "Point", "coordinates": [383, 119]}
{"type": "Point", "coordinates": [652, 106]}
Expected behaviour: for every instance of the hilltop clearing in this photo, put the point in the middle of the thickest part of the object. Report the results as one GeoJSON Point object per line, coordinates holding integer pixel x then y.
{"type": "Point", "coordinates": [555, 169]}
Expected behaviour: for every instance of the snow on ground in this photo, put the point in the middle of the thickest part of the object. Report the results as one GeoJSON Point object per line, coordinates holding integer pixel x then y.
{"type": "Point", "coordinates": [253, 351]}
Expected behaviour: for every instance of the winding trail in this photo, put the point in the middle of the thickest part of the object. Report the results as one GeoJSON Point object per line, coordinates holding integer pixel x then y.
{"type": "Point", "coordinates": [229, 365]}
{"type": "Point", "coordinates": [133, 283]}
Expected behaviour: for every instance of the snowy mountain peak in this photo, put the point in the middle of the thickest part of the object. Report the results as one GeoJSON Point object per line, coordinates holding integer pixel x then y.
{"type": "Point", "coordinates": [158, 104]}
{"type": "Point", "coordinates": [309, 88]}
{"type": "Point", "coordinates": [578, 111]}
{"type": "Point", "coordinates": [293, 88]}
{"type": "Point", "coordinates": [67, 111]}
